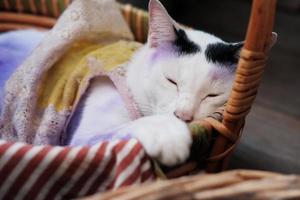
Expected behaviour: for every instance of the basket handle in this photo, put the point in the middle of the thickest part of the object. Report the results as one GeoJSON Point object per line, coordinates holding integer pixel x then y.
{"type": "Point", "coordinates": [248, 75]}
{"type": "Point", "coordinates": [252, 62]}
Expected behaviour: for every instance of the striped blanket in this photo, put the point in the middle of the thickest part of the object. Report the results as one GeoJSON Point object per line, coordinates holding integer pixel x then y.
{"type": "Point", "coordinates": [45, 172]}
{"type": "Point", "coordinates": [56, 172]}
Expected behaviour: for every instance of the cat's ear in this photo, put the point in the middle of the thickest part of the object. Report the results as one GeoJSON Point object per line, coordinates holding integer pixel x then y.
{"type": "Point", "coordinates": [235, 49]}
{"type": "Point", "coordinates": [273, 40]}
{"type": "Point", "coordinates": [161, 26]}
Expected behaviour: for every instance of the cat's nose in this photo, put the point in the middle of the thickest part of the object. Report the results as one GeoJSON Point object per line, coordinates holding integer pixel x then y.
{"type": "Point", "coordinates": [184, 116]}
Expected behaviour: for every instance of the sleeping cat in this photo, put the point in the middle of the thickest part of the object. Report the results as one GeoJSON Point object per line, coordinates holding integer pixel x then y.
{"type": "Point", "coordinates": [180, 75]}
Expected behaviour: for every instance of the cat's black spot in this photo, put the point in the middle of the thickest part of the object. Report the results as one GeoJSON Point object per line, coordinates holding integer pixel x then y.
{"type": "Point", "coordinates": [184, 44]}
{"type": "Point", "coordinates": [223, 53]}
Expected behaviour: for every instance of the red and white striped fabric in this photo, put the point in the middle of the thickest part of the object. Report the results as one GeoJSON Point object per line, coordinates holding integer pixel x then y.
{"type": "Point", "coordinates": [47, 172]}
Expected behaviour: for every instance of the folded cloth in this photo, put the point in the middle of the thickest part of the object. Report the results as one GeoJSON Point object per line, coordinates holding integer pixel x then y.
{"type": "Point", "coordinates": [41, 95]}
{"type": "Point", "coordinates": [67, 81]}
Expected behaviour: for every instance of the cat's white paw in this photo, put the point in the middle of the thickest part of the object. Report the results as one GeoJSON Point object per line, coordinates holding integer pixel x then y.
{"type": "Point", "coordinates": [164, 137]}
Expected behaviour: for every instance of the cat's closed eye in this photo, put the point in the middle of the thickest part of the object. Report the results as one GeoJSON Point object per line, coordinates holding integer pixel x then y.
{"type": "Point", "coordinates": [172, 81]}
{"type": "Point", "coordinates": [212, 95]}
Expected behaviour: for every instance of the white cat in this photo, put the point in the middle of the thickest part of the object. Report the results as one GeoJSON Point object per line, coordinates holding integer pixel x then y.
{"type": "Point", "coordinates": [180, 75]}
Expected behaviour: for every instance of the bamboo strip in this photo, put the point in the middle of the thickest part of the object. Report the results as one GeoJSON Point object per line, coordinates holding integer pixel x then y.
{"type": "Point", "coordinates": [27, 19]}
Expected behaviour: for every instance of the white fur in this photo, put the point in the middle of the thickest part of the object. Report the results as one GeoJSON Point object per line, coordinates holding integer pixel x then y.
{"type": "Point", "coordinates": [163, 135]}
{"type": "Point", "coordinates": [193, 74]}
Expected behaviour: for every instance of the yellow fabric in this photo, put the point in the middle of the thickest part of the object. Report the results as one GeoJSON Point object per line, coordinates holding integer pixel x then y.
{"type": "Point", "coordinates": [65, 82]}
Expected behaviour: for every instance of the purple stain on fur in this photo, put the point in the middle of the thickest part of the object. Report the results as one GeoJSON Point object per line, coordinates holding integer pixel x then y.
{"type": "Point", "coordinates": [221, 73]}
{"type": "Point", "coordinates": [163, 52]}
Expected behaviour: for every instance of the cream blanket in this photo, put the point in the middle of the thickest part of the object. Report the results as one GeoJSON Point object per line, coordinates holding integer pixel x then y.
{"type": "Point", "coordinates": [96, 21]}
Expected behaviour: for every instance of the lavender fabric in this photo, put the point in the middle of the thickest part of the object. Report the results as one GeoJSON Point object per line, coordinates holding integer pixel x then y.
{"type": "Point", "coordinates": [15, 46]}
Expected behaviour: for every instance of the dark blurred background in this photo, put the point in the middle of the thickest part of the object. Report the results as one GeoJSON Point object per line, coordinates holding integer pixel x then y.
{"type": "Point", "coordinates": [271, 139]}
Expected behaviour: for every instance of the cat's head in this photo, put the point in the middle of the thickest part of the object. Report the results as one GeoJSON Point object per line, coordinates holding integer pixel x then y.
{"type": "Point", "coordinates": [181, 71]}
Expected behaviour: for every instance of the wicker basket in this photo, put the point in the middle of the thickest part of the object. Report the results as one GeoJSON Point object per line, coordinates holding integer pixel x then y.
{"type": "Point", "coordinates": [234, 185]}
{"type": "Point", "coordinates": [227, 123]}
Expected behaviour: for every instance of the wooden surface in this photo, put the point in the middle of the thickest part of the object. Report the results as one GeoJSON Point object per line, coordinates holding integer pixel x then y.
{"type": "Point", "coordinates": [261, 147]}
{"type": "Point", "coordinates": [290, 5]}
{"type": "Point", "coordinates": [271, 139]}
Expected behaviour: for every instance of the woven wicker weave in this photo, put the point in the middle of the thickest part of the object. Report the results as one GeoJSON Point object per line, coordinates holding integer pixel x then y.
{"type": "Point", "coordinates": [233, 185]}
{"type": "Point", "coordinates": [42, 14]}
